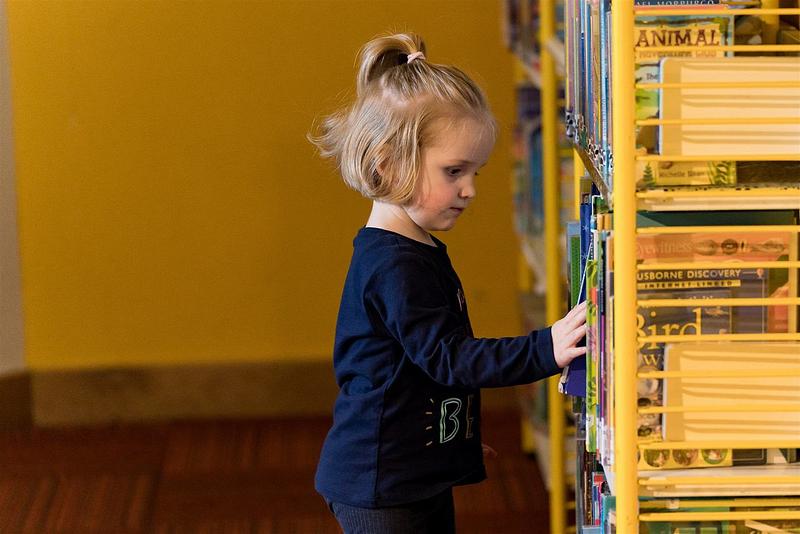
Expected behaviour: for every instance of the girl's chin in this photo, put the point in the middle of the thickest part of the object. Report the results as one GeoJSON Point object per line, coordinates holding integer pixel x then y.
{"type": "Point", "coordinates": [444, 227]}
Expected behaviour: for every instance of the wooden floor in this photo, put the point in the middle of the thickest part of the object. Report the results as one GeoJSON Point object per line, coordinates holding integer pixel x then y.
{"type": "Point", "coordinates": [244, 476]}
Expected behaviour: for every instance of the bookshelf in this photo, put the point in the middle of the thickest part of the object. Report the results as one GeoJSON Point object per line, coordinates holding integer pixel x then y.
{"type": "Point", "coordinates": [630, 485]}
{"type": "Point", "coordinates": [686, 174]}
{"type": "Point", "coordinates": [532, 32]}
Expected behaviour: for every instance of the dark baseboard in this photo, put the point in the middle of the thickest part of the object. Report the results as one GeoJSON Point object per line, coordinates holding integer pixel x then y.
{"type": "Point", "coordinates": [15, 400]}
{"type": "Point", "coordinates": [98, 396]}
{"type": "Point", "coordinates": [270, 389]}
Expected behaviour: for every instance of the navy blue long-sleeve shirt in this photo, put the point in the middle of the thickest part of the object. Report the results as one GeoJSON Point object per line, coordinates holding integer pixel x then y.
{"type": "Point", "coordinates": [406, 422]}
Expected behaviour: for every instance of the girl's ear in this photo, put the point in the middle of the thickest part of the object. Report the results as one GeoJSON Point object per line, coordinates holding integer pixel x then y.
{"type": "Point", "coordinates": [382, 167]}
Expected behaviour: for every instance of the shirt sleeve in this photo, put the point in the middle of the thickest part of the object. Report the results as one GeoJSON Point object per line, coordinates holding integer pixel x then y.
{"type": "Point", "coordinates": [414, 309]}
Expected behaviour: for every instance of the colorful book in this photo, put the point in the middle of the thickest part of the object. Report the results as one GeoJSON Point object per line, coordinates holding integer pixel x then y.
{"type": "Point", "coordinates": [692, 318]}
{"type": "Point", "coordinates": [573, 377]}
{"type": "Point", "coordinates": [674, 31]}
{"type": "Point", "coordinates": [682, 4]}
{"type": "Point", "coordinates": [591, 354]}
{"type": "Point", "coordinates": [686, 320]}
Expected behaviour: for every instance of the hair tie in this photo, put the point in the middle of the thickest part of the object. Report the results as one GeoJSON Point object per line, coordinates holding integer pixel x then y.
{"type": "Point", "coordinates": [415, 55]}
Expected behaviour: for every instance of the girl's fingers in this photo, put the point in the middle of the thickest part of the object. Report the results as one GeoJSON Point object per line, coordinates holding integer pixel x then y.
{"type": "Point", "coordinates": [578, 321]}
{"type": "Point", "coordinates": [574, 352]}
{"type": "Point", "coordinates": [576, 336]}
{"type": "Point", "coordinates": [580, 308]}
{"type": "Point", "coordinates": [577, 315]}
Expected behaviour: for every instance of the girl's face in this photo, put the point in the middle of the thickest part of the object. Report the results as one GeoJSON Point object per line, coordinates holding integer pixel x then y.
{"type": "Point", "coordinates": [450, 164]}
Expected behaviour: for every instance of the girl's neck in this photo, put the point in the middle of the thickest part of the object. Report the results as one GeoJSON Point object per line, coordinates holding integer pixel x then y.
{"type": "Point", "coordinates": [394, 218]}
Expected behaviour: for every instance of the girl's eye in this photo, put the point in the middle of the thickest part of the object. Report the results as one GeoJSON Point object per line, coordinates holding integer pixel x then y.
{"type": "Point", "coordinates": [454, 171]}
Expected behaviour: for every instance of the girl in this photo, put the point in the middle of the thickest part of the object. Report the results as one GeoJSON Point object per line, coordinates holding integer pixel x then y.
{"type": "Point", "coordinates": [407, 418]}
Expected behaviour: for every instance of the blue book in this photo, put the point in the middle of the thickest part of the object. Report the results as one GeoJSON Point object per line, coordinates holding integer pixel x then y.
{"type": "Point", "coordinates": [573, 377]}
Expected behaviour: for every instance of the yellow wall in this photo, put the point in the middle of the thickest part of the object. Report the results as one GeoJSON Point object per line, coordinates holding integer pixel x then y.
{"type": "Point", "coordinates": [170, 209]}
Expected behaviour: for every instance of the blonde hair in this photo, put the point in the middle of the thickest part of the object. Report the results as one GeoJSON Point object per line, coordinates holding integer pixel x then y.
{"type": "Point", "coordinates": [377, 141]}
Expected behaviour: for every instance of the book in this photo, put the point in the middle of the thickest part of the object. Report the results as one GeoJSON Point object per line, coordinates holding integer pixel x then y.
{"type": "Point", "coordinates": [783, 480]}
{"type": "Point", "coordinates": [691, 317]}
{"type": "Point", "coordinates": [608, 370]}
{"type": "Point", "coordinates": [683, 458]}
{"type": "Point", "coordinates": [605, 93]}
{"type": "Point", "coordinates": [772, 526]}
{"type": "Point", "coordinates": [755, 391]}
{"type": "Point", "coordinates": [573, 377]}
{"type": "Point", "coordinates": [674, 31]}
{"type": "Point", "coordinates": [685, 321]}
{"type": "Point", "coordinates": [594, 321]}
{"type": "Point", "coordinates": [682, 4]}
{"type": "Point", "coordinates": [591, 355]}
{"type": "Point", "coordinates": [758, 139]}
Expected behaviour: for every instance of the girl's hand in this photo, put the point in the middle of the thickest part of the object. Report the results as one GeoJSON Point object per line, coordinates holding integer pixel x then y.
{"type": "Point", "coordinates": [488, 452]}
{"type": "Point", "coordinates": [567, 332]}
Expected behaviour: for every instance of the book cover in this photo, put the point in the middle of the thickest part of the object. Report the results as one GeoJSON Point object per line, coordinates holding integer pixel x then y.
{"type": "Point", "coordinates": [757, 103]}
{"type": "Point", "coordinates": [695, 285]}
{"type": "Point", "coordinates": [785, 480]}
{"type": "Point", "coordinates": [673, 31]}
{"type": "Point", "coordinates": [573, 377]}
{"type": "Point", "coordinates": [760, 392]}
{"type": "Point", "coordinates": [688, 320]}
{"type": "Point", "coordinates": [591, 350]}
{"type": "Point", "coordinates": [683, 458]}
{"type": "Point", "coordinates": [597, 81]}
{"type": "Point", "coordinates": [608, 371]}
{"type": "Point", "coordinates": [605, 90]}
{"type": "Point", "coordinates": [692, 318]}
{"type": "Point", "coordinates": [682, 4]}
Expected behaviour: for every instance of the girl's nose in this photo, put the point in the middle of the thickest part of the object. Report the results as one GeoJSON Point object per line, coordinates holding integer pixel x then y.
{"type": "Point", "coordinates": [468, 189]}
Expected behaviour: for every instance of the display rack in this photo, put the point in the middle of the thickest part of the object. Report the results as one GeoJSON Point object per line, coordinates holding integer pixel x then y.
{"type": "Point", "coordinates": [628, 484]}
{"type": "Point", "coordinates": [754, 499]}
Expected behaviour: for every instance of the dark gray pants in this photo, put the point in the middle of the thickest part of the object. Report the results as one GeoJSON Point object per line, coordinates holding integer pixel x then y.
{"type": "Point", "coordinates": [435, 515]}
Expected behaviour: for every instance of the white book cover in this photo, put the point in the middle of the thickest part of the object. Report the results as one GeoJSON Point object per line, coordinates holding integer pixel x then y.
{"type": "Point", "coordinates": [762, 393]}
{"type": "Point", "coordinates": [783, 480]}
{"type": "Point", "coordinates": [729, 103]}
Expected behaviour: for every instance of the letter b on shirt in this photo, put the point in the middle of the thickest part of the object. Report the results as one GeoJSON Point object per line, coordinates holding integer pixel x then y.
{"type": "Point", "coordinates": [448, 423]}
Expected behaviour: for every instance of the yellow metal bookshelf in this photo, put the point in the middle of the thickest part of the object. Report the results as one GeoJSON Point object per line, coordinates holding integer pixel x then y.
{"type": "Point", "coordinates": [626, 201]}
{"type": "Point", "coordinates": [545, 71]}
{"type": "Point", "coordinates": [554, 303]}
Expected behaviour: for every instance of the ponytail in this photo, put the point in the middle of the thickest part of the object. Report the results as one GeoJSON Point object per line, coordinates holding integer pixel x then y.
{"type": "Point", "coordinates": [377, 142]}
{"type": "Point", "coordinates": [383, 54]}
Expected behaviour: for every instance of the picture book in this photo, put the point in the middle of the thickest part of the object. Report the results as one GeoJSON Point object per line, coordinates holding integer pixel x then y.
{"type": "Point", "coordinates": [753, 103]}
{"type": "Point", "coordinates": [690, 317]}
{"type": "Point", "coordinates": [683, 458]}
{"type": "Point", "coordinates": [591, 354]}
{"type": "Point", "coordinates": [765, 394]}
{"type": "Point", "coordinates": [683, 4]}
{"type": "Point", "coordinates": [608, 368]}
{"type": "Point", "coordinates": [651, 32]}
{"type": "Point", "coordinates": [784, 480]}
{"type": "Point", "coordinates": [688, 320]}
{"type": "Point", "coordinates": [605, 91]}
{"type": "Point", "coordinates": [573, 377]}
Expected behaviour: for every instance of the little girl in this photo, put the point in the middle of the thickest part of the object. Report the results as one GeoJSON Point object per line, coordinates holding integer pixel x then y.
{"type": "Point", "coordinates": [406, 425]}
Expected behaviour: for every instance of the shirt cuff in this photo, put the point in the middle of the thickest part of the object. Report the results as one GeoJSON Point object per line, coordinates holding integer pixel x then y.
{"type": "Point", "coordinates": [544, 349]}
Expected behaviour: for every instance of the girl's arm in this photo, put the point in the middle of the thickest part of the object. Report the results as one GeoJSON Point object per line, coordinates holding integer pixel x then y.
{"type": "Point", "coordinates": [414, 308]}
